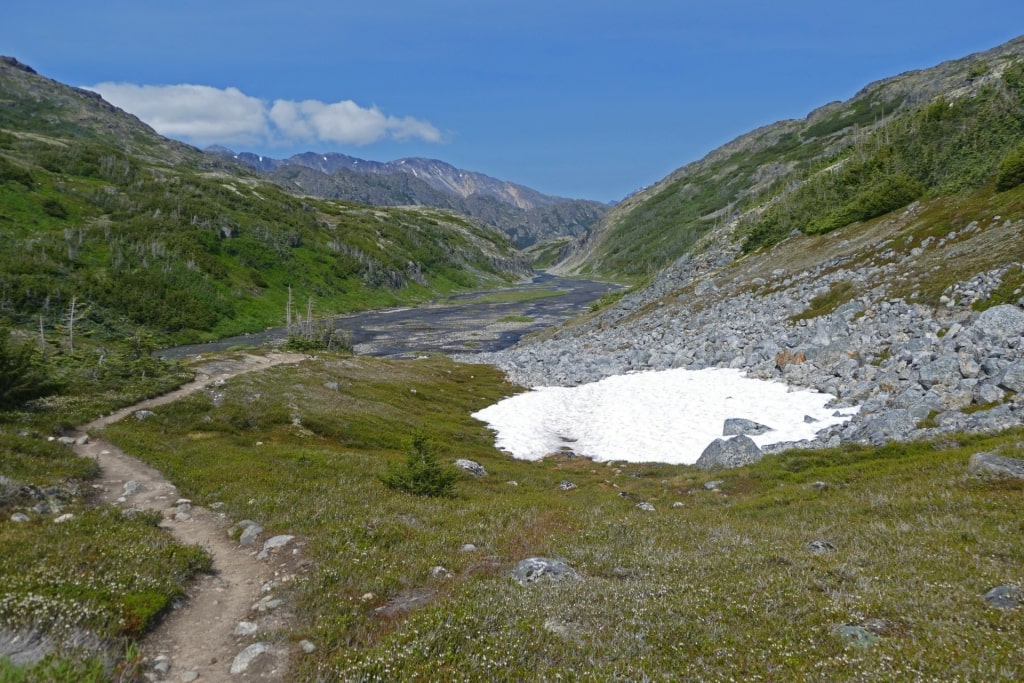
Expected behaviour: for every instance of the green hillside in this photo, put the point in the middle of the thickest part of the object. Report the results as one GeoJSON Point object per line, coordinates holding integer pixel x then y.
{"type": "Point", "coordinates": [939, 132]}
{"type": "Point", "coordinates": [145, 233]}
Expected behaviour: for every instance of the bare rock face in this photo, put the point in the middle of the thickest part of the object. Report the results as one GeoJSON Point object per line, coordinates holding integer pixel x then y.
{"type": "Point", "coordinates": [726, 453]}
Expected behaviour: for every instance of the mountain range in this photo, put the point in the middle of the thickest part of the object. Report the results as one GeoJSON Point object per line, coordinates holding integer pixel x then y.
{"type": "Point", "coordinates": [527, 216]}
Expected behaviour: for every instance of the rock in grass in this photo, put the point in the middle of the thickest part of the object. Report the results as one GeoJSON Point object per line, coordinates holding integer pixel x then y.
{"type": "Point", "coordinates": [855, 635]}
{"type": "Point", "coordinates": [19, 517]}
{"type": "Point", "coordinates": [246, 657]}
{"type": "Point", "coordinates": [738, 425]}
{"type": "Point", "coordinates": [1006, 596]}
{"type": "Point", "coordinates": [727, 453]}
{"type": "Point", "coordinates": [566, 486]}
{"type": "Point", "coordinates": [471, 466]}
{"type": "Point", "coordinates": [274, 544]}
{"type": "Point", "coordinates": [992, 465]}
{"type": "Point", "coordinates": [534, 569]}
{"type": "Point", "coordinates": [820, 547]}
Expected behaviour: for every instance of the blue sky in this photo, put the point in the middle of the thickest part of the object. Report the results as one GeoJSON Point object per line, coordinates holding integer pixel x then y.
{"type": "Point", "coordinates": [580, 99]}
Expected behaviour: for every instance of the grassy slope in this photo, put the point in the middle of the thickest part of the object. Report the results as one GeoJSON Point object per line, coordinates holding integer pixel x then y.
{"type": "Point", "coordinates": [152, 234]}
{"type": "Point", "coordinates": [939, 132]}
{"type": "Point", "coordinates": [721, 585]}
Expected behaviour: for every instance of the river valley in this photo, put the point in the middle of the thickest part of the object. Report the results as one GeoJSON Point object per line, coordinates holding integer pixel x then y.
{"type": "Point", "coordinates": [489, 320]}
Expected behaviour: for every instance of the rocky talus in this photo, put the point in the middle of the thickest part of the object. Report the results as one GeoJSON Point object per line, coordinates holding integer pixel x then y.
{"type": "Point", "coordinates": [914, 369]}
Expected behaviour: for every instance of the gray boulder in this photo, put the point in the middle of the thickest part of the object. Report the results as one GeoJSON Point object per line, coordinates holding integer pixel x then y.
{"type": "Point", "coordinates": [471, 466]}
{"type": "Point", "coordinates": [1013, 377]}
{"type": "Point", "coordinates": [1006, 596]}
{"type": "Point", "coordinates": [726, 453]}
{"type": "Point", "coordinates": [738, 425]}
{"type": "Point", "coordinates": [992, 465]}
{"type": "Point", "coordinates": [534, 569]}
{"type": "Point", "coordinates": [945, 370]}
{"type": "Point", "coordinates": [1000, 322]}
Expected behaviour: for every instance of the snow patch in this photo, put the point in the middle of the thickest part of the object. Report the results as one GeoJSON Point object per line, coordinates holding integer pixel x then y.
{"type": "Point", "coordinates": [667, 416]}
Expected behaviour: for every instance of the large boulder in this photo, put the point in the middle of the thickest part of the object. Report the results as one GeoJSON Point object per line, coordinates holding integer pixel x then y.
{"type": "Point", "coordinates": [727, 453]}
{"type": "Point", "coordinates": [1000, 322]}
{"type": "Point", "coordinates": [1013, 377]}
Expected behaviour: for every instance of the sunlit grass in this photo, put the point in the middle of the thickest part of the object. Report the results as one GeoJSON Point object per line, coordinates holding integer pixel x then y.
{"type": "Point", "coordinates": [714, 584]}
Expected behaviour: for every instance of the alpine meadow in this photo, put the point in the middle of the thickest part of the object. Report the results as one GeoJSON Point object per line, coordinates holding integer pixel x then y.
{"type": "Point", "coordinates": [303, 511]}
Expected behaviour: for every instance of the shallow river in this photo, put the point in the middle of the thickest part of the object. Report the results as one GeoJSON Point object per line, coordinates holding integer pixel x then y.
{"type": "Point", "coordinates": [467, 323]}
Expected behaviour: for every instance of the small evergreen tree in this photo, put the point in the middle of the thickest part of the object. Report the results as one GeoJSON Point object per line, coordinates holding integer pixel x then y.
{"type": "Point", "coordinates": [22, 374]}
{"type": "Point", "coordinates": [421, 473]}
{"type": "Point", "coordinates": [1011, 170]}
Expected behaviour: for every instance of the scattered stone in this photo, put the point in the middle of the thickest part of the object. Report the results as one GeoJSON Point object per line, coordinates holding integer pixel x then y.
{"type": "Point", "coordinates": [247, 656]}
{"type": "Point", "coordinates": [274, 545]}
{"type": "Point", "coordinates": [566, 486]}
{"type": "Point", "coordinates": [144, 414]}
{"type": "Point", "coordinates": [267, 604]}
{"type": "Point", "coordinates": [728, 453]}
{"type": "Point", "coordinates": [131, 488]}
{"type": "Point", "coordinates": [245, 628]}
{"type": "Point", "coordinates": [677, 504]}
{"type": "Point", "coordinates": [189, 676]}
{"type": "Point", "coordinates": [992, 465]}
{"type": "Point", "coordinates": [820, 547]}
{"type": "Point", "coordinates": [440, 572]}
{"type": "Point", "coordinates": [406, 601]}
{"type": "Point", "coordinates": [855, 635]}
{"type": "Point", "coordinates": [332, 386]}
{"type": "Point", "coordinates": [1006, 596]}
{"type": "Point", "coordinates": [534, 569]}
{"type": "Point", "coordinates": [471, 466]}
{"type": "Point", "coordinates": [467, 548]}
{"type": "Point", "coordinates": [63, 518]}
{"type": "Point", "coordinates": [19, 517]}
{"type": "Point", "coordinates": [737, 425]}
{"type": "Point", "coordinates": [713, 484]}
{"type": "Point", "coordinates": [162, 665]}
{"type": "Point", "coordinates": [646, 507]}
{"type": "Point", "coordinates": [66, 440]}
{"type": "Point", "coordinates": [307, 647]}
{"type": "Point", "coordinates": [249, 534]}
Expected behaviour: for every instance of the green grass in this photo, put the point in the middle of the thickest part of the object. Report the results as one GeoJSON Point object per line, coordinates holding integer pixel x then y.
{"type": "Point", "coordinates": [516, 319]}
{"type": "Point", "coordinates": [720, 586]}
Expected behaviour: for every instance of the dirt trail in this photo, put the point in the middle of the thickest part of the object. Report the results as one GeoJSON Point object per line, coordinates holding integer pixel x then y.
{"type": "Point", "coordinates": [198, 641]}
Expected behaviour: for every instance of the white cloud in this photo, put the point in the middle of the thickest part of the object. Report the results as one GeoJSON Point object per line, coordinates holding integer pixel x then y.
{"type": "Point", "coordinates": [346, 122]}
{"type": "Point", "coordinates": [205, 115]}
{"type": "Point", "coordinates": [196, 112]}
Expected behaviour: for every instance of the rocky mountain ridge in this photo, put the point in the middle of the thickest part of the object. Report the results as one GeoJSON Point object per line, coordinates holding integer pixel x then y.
{"type": "Point", "coordinates": [524, 214]}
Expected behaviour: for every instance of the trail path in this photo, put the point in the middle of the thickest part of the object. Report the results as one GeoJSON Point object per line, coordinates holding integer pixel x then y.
{"type": "Point", "coordinates": [198, 641]}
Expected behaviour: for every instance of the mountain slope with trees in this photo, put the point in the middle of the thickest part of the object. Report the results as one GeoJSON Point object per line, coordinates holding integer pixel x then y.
{"type": "Point", "coordinates": [923, 134]}
{"type": "Point", "coordinates": [146, 233]}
